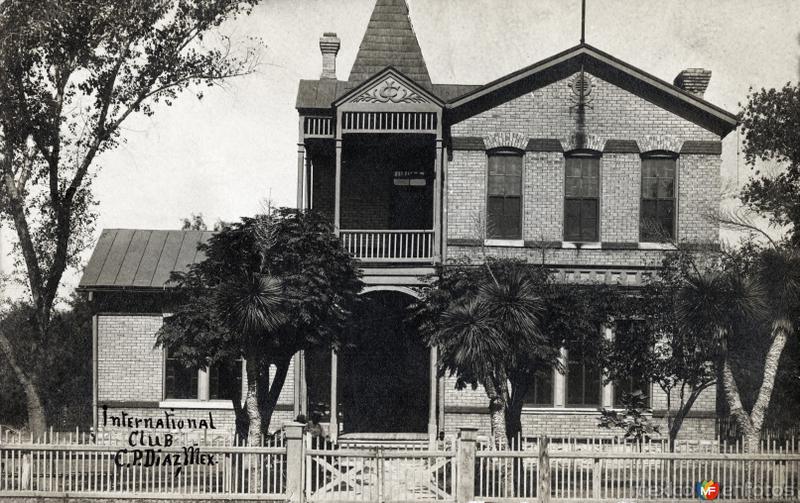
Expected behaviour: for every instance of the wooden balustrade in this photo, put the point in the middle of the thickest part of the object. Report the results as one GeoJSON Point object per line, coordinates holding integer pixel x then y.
{"type": "Point", "coordinates": [389, 245]}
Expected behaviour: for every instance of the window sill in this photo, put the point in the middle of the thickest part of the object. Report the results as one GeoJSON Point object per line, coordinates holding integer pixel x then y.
{"type": "Point", "coordinates": [579, 245]}
{"type": "Point", "coordinates": [656, 246]}
{"type": "Point", "coordinates": [575, 411]}
{"type": "Point", "coordinates": [196, 404]}
{"type": "Point", "coordinates": [518, 243]}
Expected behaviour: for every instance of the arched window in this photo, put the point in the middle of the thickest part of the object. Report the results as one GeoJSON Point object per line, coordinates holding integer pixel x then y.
{"type": "Point", "coordinates": [657, 220]}
{"type": "Point", "coordinates": [504, 195]}
{"type": "Point", "coordinates": [582, 197]}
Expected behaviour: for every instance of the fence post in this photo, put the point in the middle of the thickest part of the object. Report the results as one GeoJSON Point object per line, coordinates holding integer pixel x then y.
{"type": "Point", "coordinates": [543, 471]}
{"type": "Point", "coordinates": [465, 465]}
{"type": "Point", "coordinates": [294, 462]}
{"type": "Point", "coordinates": [596, 479]}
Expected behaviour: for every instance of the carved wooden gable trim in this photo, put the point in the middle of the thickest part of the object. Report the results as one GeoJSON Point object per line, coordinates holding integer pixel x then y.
{"type": "Point", "coordinates": [390, 91]}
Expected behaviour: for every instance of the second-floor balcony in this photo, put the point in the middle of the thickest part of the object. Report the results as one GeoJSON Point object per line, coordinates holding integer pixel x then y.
{"type": "Point", "coordinates": [385, 201]}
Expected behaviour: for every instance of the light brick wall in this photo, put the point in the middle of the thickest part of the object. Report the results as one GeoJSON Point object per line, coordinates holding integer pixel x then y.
{"type": "Point", "coordinates": [129, 368]}
{"type": "Point", "coordinates": [699, 188]}
{"type": "Point", "coordinates": [543, 196]}
{"type": "Point", "coordinates": [620, 193]}
{"type": "Point", "coordinates": [612, 112]}
{"type": "Point", "coordinates": [466, 194]}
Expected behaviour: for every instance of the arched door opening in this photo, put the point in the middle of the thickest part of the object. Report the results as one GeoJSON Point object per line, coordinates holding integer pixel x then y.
{"type": "Point", "coordinates": [384, 370]}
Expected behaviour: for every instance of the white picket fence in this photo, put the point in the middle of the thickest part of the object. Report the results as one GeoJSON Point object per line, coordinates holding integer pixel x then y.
{"type": "Point", "coordinates": [466, 469]}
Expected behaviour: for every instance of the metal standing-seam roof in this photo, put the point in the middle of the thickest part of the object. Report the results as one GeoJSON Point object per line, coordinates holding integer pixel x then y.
{"type": "Point", "coordinates": [141, 258]}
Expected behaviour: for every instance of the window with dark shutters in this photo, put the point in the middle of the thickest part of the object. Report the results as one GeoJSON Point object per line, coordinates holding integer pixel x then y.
{"type": "Point", "coordinates": [504, 204]}
{"type": "Point", "coordinates": [657, 221]}
{"type": "Point", "coordinates": [582, 198]}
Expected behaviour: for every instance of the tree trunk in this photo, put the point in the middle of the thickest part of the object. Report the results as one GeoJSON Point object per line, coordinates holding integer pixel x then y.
{"type": "Point", "coordinates": [781, 328]}
{"type": "Point", "coordinates": [270, 400]}
{"type": "Point", "coordinates": [514, 413]}
{"type": "Point", "coordinates": [683, 411]}
{"type": "Point", "coordinates": [497, 414]}
{"type": "Point", "coordinates": [733, 398]}
{"type": "Point", "coordinates": [37, 422]}
{"type": "Point", "coordinates": [253, 410]}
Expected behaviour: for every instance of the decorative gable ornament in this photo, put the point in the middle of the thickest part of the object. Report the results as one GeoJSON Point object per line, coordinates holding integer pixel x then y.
{"type": "Point", "coordinates": [390, 91]}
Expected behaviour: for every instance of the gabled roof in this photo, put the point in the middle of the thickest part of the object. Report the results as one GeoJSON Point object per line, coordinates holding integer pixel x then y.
{"type": "Point", "coordinates": [390, 41]}
{"type": "Point", "coordinates": [608, 67]}
{"type": "Point", "coordinates": [397, 81]}
{"type": "Point", "coordinates": [140, 258]}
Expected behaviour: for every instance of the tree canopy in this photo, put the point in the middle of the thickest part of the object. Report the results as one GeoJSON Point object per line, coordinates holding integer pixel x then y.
{"type": "Point", "coordinates": [269, 286]}
{"type": "Point", "coordinates": [71, 73]}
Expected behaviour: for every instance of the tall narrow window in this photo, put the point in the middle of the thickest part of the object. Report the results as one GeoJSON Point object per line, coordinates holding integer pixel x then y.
{"type": "Point", "coordinates": [180, 382]}
{"type": "Point", "coordinates": [582, 196]}
{"type": "Point", "coordinates": [657, 221]}
{"type": "Point", "coordinates": [504, 205]}
{"type": "Point", "coordinates": [540, 392]}
{"type": "Point", "coordinates": [584, 382]}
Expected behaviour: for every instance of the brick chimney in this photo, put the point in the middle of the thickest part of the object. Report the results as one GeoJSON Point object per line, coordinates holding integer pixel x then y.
{"type": "Point", "coordinates": [694, 80]}
{"type": "Point", "coordinates": [329, 45]}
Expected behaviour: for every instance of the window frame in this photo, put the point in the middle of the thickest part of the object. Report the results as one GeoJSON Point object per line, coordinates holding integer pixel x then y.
{"type": "Point", "coordinates": [505, 152]}
{"type": "Point", "coordinates": [583, 154]}
{"type": "Point", "coordinates": [658, 155]}
{"type": "Point", "coordinates": [532, 405]}
{"type": "Point", "coordinates": [196, 380]}
{"type": "Point", "coordinates": [600, 385]}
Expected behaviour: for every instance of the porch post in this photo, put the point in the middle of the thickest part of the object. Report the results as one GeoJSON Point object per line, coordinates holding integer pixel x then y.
{"type": "Point", "coordinates": [432, 427]}
{"type": "Point", "coordinates": [301, 172]}
{"type": "Point", "coordinates": [337, 212]}
{"type": "Point", "coordinates": [437, 201]}
{"type": "Point", "coordinates": [607, 399]}
{"type": "Point", "coordinates": [301, 162]}
{"type": "Point", "coordinates": [334, 425]}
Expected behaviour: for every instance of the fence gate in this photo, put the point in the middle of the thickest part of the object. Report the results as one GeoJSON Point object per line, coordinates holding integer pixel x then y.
{"type": "Point", "coordinates": [379, 474]}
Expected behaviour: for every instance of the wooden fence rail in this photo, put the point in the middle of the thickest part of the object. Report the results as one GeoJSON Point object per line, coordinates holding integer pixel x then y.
{"type": "Point", "coordinates": [462, 471]}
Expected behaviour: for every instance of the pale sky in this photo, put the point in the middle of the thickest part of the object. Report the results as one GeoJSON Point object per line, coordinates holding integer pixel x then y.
{"type": "Point", "coordinates": [225, 154]}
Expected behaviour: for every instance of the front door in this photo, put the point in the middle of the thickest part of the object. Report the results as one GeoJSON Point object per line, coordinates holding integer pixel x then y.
{"type": "Point", "coordinates": [384, 373]}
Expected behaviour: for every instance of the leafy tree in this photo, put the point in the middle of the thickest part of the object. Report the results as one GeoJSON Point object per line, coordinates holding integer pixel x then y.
{"type": "Point", "coordinates": [269, 286]}
{"type": "Point", "coordinates": [653, 345]}
{"type": "Point", "coordinates": [71, 73]}
{"type": "Point", "coordinates": [770, 121]}
{"type": "Point", "coordinates": [501, 323]}
{"type": "Point", "coordinates": [632, 418]}
{"type": "Point", "coordinates": [67, 386]}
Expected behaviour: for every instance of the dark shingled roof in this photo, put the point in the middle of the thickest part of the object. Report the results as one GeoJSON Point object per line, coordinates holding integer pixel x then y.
{"type": "Point", "coordinates": [390, 41]}
{"type": "Point", "coordinates": [320, 94]}
{"type": "Point", "coordinates": [139, 258]}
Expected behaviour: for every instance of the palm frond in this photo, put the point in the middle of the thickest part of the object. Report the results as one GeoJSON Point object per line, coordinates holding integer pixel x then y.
{"type": "Point", "coordinates": [252, 305]}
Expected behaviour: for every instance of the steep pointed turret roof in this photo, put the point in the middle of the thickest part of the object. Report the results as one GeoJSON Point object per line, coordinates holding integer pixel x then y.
{"type": "Point", "coordinates": [390, 41]}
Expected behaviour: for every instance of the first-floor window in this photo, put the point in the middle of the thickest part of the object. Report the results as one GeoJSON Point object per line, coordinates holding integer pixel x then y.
{"type": "Point", "coordinates": [180, 382]}
{"type": "Point", "coordinates": [540, 392]}
{"type": "Point", "coordinates": [222, 380]}
{"type": "Point", "coordinates": [225, 381]}
{"type": "Point", "coordinates": [629, 337]}
{"type": "Point", "coordinates": [584, 382]}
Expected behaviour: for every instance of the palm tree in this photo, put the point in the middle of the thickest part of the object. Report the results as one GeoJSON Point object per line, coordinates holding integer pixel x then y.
{"type": "Point", "coordinates": [719, 300]}
{"type": "Point", "coordinates": [483, 335]}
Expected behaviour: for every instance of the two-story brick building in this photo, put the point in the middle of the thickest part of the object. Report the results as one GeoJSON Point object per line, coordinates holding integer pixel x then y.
{"type": "Point", "coordinates": [581, 160]}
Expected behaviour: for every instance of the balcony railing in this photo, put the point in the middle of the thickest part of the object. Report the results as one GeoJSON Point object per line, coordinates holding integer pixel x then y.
{"type": "Point", "coordinates": [389, 245]}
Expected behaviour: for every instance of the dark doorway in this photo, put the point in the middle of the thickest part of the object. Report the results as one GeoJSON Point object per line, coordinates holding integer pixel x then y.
{"type": "Point", "coordinates": [384, 374]}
